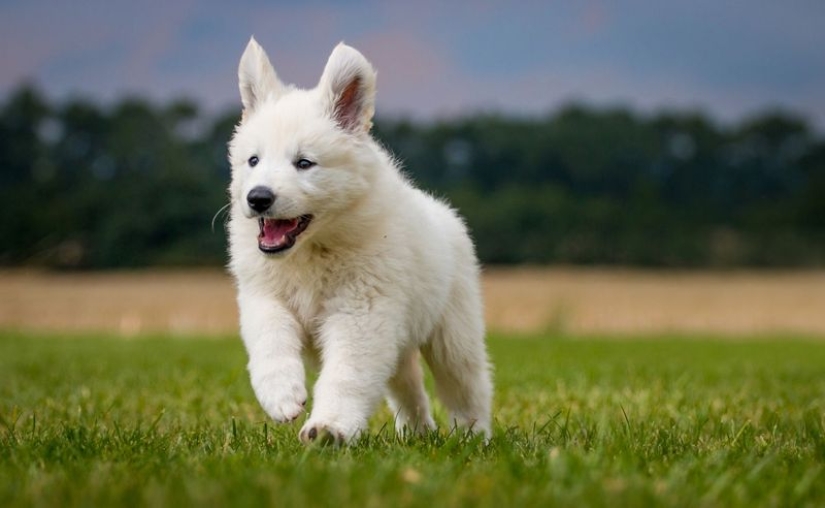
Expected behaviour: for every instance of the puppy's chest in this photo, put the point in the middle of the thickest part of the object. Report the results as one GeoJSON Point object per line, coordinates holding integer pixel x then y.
{"type": "Point", "coordinates": [306, 297]}
{"type": "Point", "coordinates": [314, 291]}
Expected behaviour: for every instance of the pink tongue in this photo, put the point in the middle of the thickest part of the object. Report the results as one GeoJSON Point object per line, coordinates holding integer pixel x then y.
{"type": "Point", "coordinates": [276, 229]}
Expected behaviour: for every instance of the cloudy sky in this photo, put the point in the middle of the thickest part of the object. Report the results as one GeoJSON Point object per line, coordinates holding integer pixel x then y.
{"type": "Point", "coordinates": [435, 58]}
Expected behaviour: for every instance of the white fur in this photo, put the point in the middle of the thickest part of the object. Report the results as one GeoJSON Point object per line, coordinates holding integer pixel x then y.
{"type": "Point", "coordinates": [382, 272]}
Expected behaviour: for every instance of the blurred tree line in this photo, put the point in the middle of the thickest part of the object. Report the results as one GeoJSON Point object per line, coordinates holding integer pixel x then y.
{"type": "Point", "coordinates": [137, 184]}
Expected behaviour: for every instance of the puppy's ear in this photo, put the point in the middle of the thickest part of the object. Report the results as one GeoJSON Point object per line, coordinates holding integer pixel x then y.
{"type": "Point", "coordinates": [256, 77]}
{"type": "Point", "coordinates": [348, 83]}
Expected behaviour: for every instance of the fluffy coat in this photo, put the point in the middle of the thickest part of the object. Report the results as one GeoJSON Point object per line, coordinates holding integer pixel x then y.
{"type": "Point", "coordinates": [360, 270]}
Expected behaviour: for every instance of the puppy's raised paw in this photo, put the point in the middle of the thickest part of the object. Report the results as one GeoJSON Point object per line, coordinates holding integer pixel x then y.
{"type": "Point", "coordinates": [316, 433]}
{"type": "Point", "coordinates": [282, 401]}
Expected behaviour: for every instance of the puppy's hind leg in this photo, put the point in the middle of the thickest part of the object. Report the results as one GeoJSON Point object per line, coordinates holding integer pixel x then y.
{"type": "Point", "coordinates": [457, 357]}
{"type": "Point", "coordinates": [407, 398]}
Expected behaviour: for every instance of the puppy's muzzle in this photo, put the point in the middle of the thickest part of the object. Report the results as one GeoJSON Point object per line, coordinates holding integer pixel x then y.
{"type": "Point", "coordinates": [260, 199]}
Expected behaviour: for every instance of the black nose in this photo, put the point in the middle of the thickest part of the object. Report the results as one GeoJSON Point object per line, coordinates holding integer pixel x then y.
{"type": "Point", "coordinates": [260, 198]}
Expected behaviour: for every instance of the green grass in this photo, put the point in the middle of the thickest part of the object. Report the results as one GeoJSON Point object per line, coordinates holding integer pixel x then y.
{"type": "Point", "coordinates": [97, 421]}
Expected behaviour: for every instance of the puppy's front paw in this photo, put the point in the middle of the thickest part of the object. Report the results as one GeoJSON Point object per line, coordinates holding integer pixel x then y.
{"type": "Point", "coordinates": [282, 397]}
{"type": "Point", "coordinates": [321, 434]}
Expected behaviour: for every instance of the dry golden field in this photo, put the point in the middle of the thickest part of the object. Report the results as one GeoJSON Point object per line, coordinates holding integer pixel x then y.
{"type": "Point", "coordinates": [574, 301]}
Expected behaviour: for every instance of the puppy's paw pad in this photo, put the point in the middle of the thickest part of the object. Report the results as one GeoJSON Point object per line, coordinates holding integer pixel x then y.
{"type": "Point", "coordinates": [322, 435]}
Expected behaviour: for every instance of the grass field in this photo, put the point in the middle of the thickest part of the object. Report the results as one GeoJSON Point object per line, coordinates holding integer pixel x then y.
{"type": "Point", "coordinates": [663, 421]}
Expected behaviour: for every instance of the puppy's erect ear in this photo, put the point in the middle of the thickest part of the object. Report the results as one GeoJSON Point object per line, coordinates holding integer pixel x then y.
{"type": "Point", "coordinates": [349, 84]}
{"type": "Point", "coordinates": [256, 77]}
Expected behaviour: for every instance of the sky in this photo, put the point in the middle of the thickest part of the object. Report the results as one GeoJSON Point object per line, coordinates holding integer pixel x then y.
{"type": "Point", "coordinates": [435, 59]}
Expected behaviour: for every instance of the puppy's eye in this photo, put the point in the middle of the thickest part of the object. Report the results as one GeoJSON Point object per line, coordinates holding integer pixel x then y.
{"type": "Point", "coordinates": [253, 161]}
{"type": "Point", "coordinates": [304, 164]}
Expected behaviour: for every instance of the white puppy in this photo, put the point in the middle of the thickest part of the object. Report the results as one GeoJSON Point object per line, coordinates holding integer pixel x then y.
{"type": "Point", "coordinates": [337, 256]}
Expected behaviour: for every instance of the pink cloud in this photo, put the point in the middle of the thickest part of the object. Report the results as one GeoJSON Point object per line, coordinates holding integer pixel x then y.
{"type": "Point", "coordinates": [594, 17]}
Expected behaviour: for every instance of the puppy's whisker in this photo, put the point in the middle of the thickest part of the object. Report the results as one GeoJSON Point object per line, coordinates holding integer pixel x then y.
{"type": "Point", "coordinates": [214, 217]}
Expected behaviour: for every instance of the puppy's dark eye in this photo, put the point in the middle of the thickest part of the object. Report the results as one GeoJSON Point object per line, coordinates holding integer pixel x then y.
{"type": "Point", "coordinates": [304, 164]}
{"type": "Point", "coordinates": [253, 161]}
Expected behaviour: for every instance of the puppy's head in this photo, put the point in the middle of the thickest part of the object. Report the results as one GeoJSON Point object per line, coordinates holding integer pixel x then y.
{"type": "Point", "coordinates": [299, 157]}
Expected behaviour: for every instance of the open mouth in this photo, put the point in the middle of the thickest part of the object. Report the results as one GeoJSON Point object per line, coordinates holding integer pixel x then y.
{"type": "Point", "coordinates": [279, 234]}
